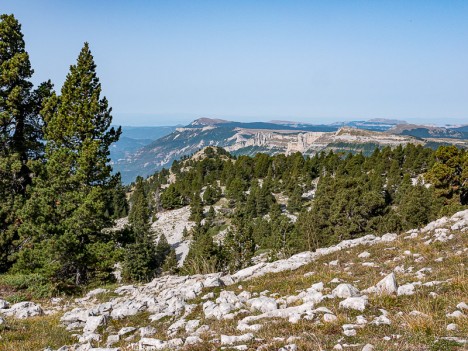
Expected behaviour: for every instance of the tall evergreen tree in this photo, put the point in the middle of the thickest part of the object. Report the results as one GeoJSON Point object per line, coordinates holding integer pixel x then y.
{"type": "Point", "coordinates": [64, 218]}
{"type": "Point", "coordinates": [20, 130]}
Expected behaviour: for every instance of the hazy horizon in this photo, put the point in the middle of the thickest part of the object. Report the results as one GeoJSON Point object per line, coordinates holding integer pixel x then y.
{"type": "Point", "coordinates": [184, 119]}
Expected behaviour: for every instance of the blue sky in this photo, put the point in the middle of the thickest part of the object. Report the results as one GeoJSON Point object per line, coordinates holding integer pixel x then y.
{"type": "Point", "coordinates": [168, 62]}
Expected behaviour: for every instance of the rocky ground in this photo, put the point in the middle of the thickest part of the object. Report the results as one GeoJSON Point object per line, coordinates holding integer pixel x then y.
{"type": "Point", "coordinates": [395, 292]}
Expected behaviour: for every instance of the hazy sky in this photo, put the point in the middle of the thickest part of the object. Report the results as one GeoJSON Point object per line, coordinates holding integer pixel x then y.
{"type": "Point", "coordinates": [168, 62]}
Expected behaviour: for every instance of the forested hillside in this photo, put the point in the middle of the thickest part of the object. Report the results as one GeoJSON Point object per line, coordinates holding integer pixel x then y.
{"type": "Point", "coordinates": [280, 205]}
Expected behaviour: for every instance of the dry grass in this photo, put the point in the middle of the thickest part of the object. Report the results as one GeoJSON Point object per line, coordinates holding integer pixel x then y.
{"type": "Point", "coordinates": [33, 334]}
{"type": "Point", "coordinates": [406, 332]}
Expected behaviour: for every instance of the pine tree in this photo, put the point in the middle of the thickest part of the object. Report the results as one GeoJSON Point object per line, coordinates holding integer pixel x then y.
{"type": "Point", "coordinates": [170, 263]}
{"type": "Point", "coordinates": [196, 209]}
{"type": "Point", "coordinates": [239, 245]}
{"type": "Point", "coordinates": [20, 131]}
{"type": "Point", "coordinates": [295, 201]}
{"type": "Point", "coordinates": [63, 220]}
{"type": "Point", "coordinates": [139, 215]}
{"type": "Point", "coordinates": [162, 250]}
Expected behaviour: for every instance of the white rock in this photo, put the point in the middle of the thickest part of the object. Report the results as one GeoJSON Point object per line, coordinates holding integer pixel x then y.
{"type": "Point", "coordinates": [361, 320]}
{"type": "Point", "coordinates": [4, 304]}
{"type": "Point", "coordinates": [455, 314]}
{"type": "Point", "coordinates": [213, 282]}
{"type": "Point", "coordinates": [364, 254]}
{"type": "Point", "coordinates": [462, 306]}
{"type": "Point", "coordinates": [208, 296]}
{"type": "Point", "coordinates": [192, 340]}
{"type": "Point", "coordinates": [368, 347]}
{"type": "Point", "coordinates": [387, 285]}
{"type": "Point", "coordinates": [262, 304]}
{"type": "Point", "coordinates": [96, 292]}
{"type": "Point", "coordinates": [126, 330]}
{"type": "Point", "coordinates": [290, 347]}
{"type": "Point", "coordinates": [337, 347]}
{"type": "Point", "coordinates": [349, 332]}
{"type": "Point", "coordinates": [317, 286]}
{"type": "Point", "coordinates": [23, 310]}
{"type": "Point", "coordinates": [381, 320]}
{"type": "Point", "coordinates": [93, 323]}
{"type": "Point", "coordinates": [147, 331]}
{"type": "Point", "coordinates": [112, 339]}
{"type": "Point", "coordinates": [345, 290]}
{"type": "Point", "coordinates": [234, 339]}
{"type": "Point", "coordinates": [355, 303]}
{"type": "Point", "coordinates": [407, 289]}
{"type": "Point", "coordinates": [152, 344]}
{"type": "Point", "coordinates": [192, 325]}
{"type": "Point", "coordinates": [91, 337]}
{"type": "Point", "coordinates": [389, 237]}
{"type": "Point", "coordinates": [452, 327]}
{"type": "Point", "coordinates": [329, 318]}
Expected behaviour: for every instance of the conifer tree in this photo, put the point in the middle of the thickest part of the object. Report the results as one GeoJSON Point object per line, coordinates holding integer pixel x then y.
{"type": "Point", "coordinates": [170, 263]}
{"type": "Point", "coordinates": [239, 245]}
{"type": "Point", "coordinates": [162, 250]}
{"type": "Point", "coordinates": [20, 131]}
{"type": "Point", "coordinates": [61, 236]}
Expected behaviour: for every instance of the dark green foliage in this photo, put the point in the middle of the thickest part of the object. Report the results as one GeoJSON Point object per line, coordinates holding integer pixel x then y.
{"type": "Point", "coordinates": [162, 250]}
{"type": "Point", "coordinates": [295, 201]}
{"type": "Point", "coordinates": [140, 259]}
{"type": "Point", "coordinates": [170, 263]}
{"type": "Point", "coordinates": [61, 235]}
{"type": "Point", "coordinates": [239, 246]}
{"type": "Point", "coordinates": [139, 214]}
{"type": "Point", "coordinates": [20, 131]}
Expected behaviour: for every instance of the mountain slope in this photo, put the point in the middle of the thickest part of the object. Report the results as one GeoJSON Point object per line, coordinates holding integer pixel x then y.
{"type": "Point", "coordinates": [395, 292]}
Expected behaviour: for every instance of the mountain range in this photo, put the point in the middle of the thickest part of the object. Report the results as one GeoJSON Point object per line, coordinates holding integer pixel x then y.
{"type": "Point", "coordinates": [144, 150]}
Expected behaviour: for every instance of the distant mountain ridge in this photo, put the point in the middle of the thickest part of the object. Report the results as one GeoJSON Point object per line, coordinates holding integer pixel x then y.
{"type": "Point", "coordinates": [249, 138]}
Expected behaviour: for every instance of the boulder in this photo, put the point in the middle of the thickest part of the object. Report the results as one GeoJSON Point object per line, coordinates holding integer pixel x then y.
{"type": "Point", "coordinates": [345, 290]}
{"type": "Point", "coordinates": [262, 304]}
{"type": "Point", "coordinates": [407, 289]}
{"type": "Point", "coordinates": [23, 310]}
{"type": "Point", "coordinates": [381, 320]}
{"type": "Point", "coordinates": [387, 286]}
{"type": "Point", "coordinates": [93, 323]}
{"type": "Point", "coordinates": [192, 340]}
{"type": "Point", "coordinates": [234, 339]}
{"type": "Point", "coordinates": [354, 303]}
